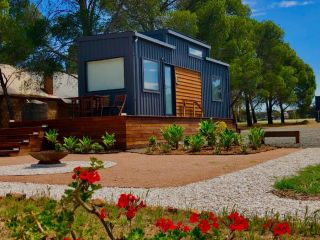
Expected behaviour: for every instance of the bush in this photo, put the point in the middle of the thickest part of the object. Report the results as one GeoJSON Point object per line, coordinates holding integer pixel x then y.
{"type": "Point", "coordinates": [227, 138]}
{"type": "Point", "coordinates": [186, 142]}
{"type": "Point", "coordinates": [152, 142]}
{"type": "Point", "coordinates": [97, 148]}
{"type": "Point", "coordinates": [256, 137]}
{"type": "Point", "coordinates": [84, 145]}
{"type": "Point", "coordinates": [108, 140]}
{"type": "Point", "coordinates": [220, 127]}
{"type": "Point", "coordinates": [196, 142]}
{"type": "Point", "coordinates": [207, 129]}
{"type": "Point", "coordinates": [165, 148]}
{"type": "Point", "coordinates": [70, 143]}
{"type": "Point", "coordinates": [173, 134]}
{"type": "Point", "coordinates": [51, 136]}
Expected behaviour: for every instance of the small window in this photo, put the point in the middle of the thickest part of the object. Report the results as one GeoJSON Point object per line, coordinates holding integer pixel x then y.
{"type": "Point", "coordinates": [195, 52]}
{"type": "Point", "coordinates": [105, 74]}
{"type": "Point", "coordinates": [216, 89]}
{"type": "Point", "coordinates": [150, 75]}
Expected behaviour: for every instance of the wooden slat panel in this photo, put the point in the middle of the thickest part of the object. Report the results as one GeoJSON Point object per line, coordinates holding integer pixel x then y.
{"type": "Point", "coordinates": [188, 87]}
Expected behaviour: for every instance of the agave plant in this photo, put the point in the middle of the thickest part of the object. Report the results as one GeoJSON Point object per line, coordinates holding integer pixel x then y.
{"type": "Point", "coordinates": [227, 138]}
{"type": "Point", "coordinates": [207, 129]}
{"type": "Point", "coordinates": [84, 145]}
{"type": "Point", "coordinates": [70, 143]}
{"type": "Point", "coordinates": [173, 134]}
{"type": "Point", "coordinates": [52, 136]}
{"type": "Point", "coordinates": [108, 140]}
{"type": "Point", "coordinates": [256, 137]}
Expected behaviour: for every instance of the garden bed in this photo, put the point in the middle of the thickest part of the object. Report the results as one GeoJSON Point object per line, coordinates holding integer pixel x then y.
{"type": "Point", "coordinates": [234, 150]}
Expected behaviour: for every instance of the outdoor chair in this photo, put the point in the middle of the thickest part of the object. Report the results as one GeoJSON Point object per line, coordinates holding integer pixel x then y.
{"type": "Point", "coordinates": [104, 103]}
{"type": "Point", "coordinates": [118, 105]}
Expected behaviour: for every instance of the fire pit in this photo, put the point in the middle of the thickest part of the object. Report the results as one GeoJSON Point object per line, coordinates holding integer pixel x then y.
{"type": "Point", "coordinates": [48, 158]}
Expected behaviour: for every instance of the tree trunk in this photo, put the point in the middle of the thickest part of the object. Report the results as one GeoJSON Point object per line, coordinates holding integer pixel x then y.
{"type": "Point", "coordinates": [6, 97]}
{"type": "Point", "coordinates": [282, 113]}
{"type": "Point", "coordinates": [254, 117]}
{"type": "Point", "coordinates": [249, 119]}
{"type": "Point", "coordinates": [269, 111]}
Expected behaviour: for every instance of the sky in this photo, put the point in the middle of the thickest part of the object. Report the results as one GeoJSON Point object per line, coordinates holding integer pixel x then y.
{"type": "Point", "coordinates": [300, 21]}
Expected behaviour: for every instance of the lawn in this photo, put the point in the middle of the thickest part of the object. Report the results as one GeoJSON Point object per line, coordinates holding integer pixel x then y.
{"type": "Point", "coordinates": [306, 182]}
{"type": "Point", "coordinates": [277, 123]}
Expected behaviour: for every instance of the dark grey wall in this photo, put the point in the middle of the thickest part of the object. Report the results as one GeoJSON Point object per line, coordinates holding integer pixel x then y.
{"type": "Point", "coordinates": [99, 48]}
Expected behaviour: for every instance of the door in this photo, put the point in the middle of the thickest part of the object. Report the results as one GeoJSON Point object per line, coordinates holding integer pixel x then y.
{"type": "Point", "coordinates": [169, 90]}
{"type": "Point", "coordinates": [188, 93]}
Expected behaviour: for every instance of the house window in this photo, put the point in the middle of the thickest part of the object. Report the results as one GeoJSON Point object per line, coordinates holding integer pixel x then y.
{"type": "Point", "coordinates": [150, 75]}
{"type": "Point", "coordinates": [216, 89]}
{"type": "Point", "coordinates": [105, 74]}
{"type": "Point", "coordinates": [195, 52]}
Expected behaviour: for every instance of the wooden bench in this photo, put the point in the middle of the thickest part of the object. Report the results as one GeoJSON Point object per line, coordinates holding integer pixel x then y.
{"type": "Point", "coordinates": [272, 134]}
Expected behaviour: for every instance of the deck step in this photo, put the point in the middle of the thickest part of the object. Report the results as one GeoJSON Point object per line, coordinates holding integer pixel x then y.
{"type": "Point", "coordinates": [22, 130]}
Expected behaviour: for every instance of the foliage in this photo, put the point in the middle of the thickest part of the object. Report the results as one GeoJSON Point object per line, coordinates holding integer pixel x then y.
{"type": "Point", "coordinates": [51, 136]}
{"type": "Point", "coordinates": [84, 145]}
{"type": "Point", "coordinates": [244, 148]}
{"type": "Point", "coordinates": [186, 142]}
{"type": "Point", "coordinates": [173, 134]}
{"type": "Point", "coordinates": [307, 181]}
{"type": "Point", "coordinates": [196, 142]}
{"type": "Point", "coordinates": [152, 142]}
{"type": "Point", "coordinates": [97, 148]}
{"type": "Point", "coordinates": [165, 148]}
{"type": "Point", "coordinates": [70, 143]}
{"type": "Point", "coordinates": [256, 136]}
{"type": "Point", "coordinates": [108, 140]}
{"type": "Point", "coordinates": [207, 129]}
{"type": "Point", "coordinates": [220, 127]}
{"type": "Point", "coordinates": [227, 138]}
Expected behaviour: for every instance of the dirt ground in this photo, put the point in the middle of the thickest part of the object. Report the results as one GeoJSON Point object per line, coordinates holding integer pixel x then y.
{"type": "Point", "coordinates": [139, 170]}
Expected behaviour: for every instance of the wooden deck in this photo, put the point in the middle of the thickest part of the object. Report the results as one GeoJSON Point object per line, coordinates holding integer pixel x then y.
{"type": "Point", "coordinates": [131, 131]}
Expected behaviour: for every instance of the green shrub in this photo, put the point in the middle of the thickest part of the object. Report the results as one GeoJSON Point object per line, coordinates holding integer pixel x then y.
{"type": "Point", "coordinates": [256, 137]}
{"type": "Point", "coordinates": [165, 148]}
{"type": "Point", "coordinates": [227, 138]}
{"type": "Point", "coordinates": [70, 143]}
{"type": "Point", "coordinates": [186, 142]}
{"type": "Point", "coordinates": [207, 129]}
{"type": "Point", "coordinates": [84, 145]}
{"type": "Point", "coordinates": [97, 148]}
{"type": "Point", "coordinates": [196, 142]}
{"type": "Point", "coordinates": [108, 140]}
{"type": "Point", "coordinates": [173, 134]}
{"type": "Point", "coordinates": [52, 136]}
{"type": "Point", "coordinates": [152, 142]}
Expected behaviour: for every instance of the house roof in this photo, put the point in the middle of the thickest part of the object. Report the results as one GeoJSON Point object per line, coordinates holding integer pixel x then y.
{"type": "Point", "coordinates": [26, 84]}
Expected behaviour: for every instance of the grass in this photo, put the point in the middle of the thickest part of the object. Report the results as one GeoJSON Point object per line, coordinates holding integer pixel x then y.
{"type": "Point", "coordinates": [88, 227]}
{"type": "Point", "coordinates": [277, 123]}
{"type": "Point", "coordinates": [307, 182]}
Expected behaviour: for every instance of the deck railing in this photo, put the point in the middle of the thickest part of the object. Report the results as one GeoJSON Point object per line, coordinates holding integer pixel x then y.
{"type": "Point", "coordinates": [194, 104]}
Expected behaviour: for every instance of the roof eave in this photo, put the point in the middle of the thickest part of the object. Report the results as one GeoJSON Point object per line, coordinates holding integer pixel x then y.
{"type": "Point", "coordinates": [217, 61]}
{"type": "Point", "coordinates": [189, 39]}
{"type": "Point", "coordinates": [153, 40]}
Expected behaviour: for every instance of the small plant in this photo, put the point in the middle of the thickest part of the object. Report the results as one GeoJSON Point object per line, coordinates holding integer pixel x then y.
{"type": "Point", "coordinates": [196, 142]}
{"type": "Point", "coordinates": [173, 134]}
{"type": "Point", "coordinates": [256, 137]}
{"type": "Point", "coordinates": [244, 148]}
{"type": "Point", "coordinates": [84, 145]}
{"type": "Point", "coordinates": [97, 148]}
{"type": "Point", "coordinates": [58, 147]}
{"type": "Point", "coordinates": [227, 138]}
{"type": "Point", "coordinates": [220, 127]}
{"type": "Point", "coordinates": [108, 140]}
{"type": "Point", "coordinates": [165, 148]}
{"type": "Point", "coordinates": [52, 136]}
{"type": "Point", "coordinates": [207, 129]}
{"type": "Point", "coordinates": [217, 149]}
{"type": "Point", "coordinates": [70, 143]}
{"type": "Point", "coordinates": [152, 142]}
{"type": "Point", "coordinates": [186, 142]}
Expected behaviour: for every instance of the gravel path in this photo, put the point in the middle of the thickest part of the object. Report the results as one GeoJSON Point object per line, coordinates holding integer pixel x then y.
{"type": "Point", "coordinates": [27, 169]}
{"type": "Point", "coordinates": [247, 190]}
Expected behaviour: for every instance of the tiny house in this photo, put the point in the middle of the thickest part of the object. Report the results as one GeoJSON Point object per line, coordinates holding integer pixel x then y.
{"type": "Point", "coordinates": [162, 73]}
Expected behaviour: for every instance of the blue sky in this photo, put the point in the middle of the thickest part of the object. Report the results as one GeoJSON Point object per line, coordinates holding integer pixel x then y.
{"type": "Point", "coordinates": [300, 20]}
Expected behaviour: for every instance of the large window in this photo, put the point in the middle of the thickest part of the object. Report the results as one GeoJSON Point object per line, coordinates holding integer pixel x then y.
{"type": "Point", "coordinates": [195, 52]}
{"type": "Point", "coordinates": [150, 75]}
{"type": "Point", "coordinates": [216, 89]}
{"type": "Point", "coordinates": [105, 74]}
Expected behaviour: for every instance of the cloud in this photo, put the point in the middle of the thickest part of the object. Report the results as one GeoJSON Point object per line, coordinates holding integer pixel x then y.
{"type": "Point", "coordinates": [288, 4]}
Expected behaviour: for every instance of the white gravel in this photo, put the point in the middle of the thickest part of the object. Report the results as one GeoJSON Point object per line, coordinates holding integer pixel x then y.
{"type": "Point", "coordinates": [246, 190]}
{"type": "Point", "coordinates": [27, 169]}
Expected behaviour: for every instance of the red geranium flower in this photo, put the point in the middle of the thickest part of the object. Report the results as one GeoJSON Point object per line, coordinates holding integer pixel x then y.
{"type": "Point", "coordinates": [194, 217]}
{"type": "Point", "coordinates": [238, 222]}
{"type": "Point", "coordinates": [103, 214]}
{"type": "Point", "coordinates": [123, 201]}
{"type": "Point", "coordinates": [281, 229]}
{"type": "Point", "coordinates": [131, 212]}
{"type": "Point", "coordinates": [165, 224]}
{"type": "Point", "coordinates": [93, 177]}
{"type": "Point", "coordinates": [214, 220]}
{"type": "Point", "coordinates": [204, 226]}
{"type": "Point", "coordinates": [268, 224]}
{"type": "Point", "coordinates": [84, 175]}
{"type": "Point", "coordinates": [186, 229]}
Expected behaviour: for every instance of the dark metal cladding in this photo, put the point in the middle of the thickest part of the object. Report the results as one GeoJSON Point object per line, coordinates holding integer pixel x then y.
{"type": "Point", "coordinates": [134, 49]}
